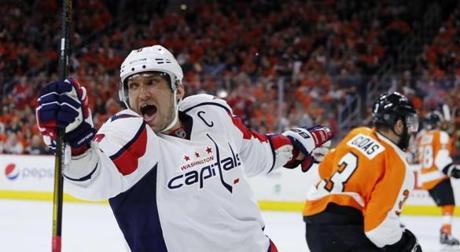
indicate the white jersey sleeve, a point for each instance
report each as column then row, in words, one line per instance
column 443, row 157
column 116, row 159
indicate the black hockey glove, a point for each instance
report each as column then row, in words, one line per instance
column 452, row 170
column 408, row 243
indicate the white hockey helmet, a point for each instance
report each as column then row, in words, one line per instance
column 154, row 58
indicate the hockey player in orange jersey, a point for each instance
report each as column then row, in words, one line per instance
column 434, row 156
column 364, row 183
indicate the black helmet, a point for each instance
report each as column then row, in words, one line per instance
column 432, row 120
column 390, row 107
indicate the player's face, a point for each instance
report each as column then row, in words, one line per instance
column 150, row 96
column 405, row 129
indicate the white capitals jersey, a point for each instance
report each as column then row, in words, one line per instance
column 173, row 194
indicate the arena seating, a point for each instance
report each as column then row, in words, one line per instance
column 321, row 51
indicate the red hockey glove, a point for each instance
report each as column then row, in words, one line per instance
column 307, row 139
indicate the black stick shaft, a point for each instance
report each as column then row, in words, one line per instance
column 58, row 192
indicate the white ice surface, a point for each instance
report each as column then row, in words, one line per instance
column 26, row 226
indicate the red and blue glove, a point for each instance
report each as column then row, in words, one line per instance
column 64, row 105
column 312, row 142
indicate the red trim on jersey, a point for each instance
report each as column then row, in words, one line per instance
column 279, row 140
column 272, row 247
column 247, row 133
column 98, row 138
column 127, row 158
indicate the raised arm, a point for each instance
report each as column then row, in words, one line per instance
column 101, row 165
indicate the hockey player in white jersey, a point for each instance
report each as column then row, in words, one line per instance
column 174, row 170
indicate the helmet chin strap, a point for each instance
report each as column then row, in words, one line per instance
column 176, row 115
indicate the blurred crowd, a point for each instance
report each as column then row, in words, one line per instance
column 322, row 52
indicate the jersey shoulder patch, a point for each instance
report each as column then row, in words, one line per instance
column 200, row 100
column 367, row 145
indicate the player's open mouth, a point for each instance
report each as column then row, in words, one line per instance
column 148, row 112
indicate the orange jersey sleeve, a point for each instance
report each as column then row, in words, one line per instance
column 434, row 153
column 368, row 172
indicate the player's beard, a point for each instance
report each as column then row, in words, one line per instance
column 171, row 115
column 404, row 139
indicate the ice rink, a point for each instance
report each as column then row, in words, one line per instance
column 25, row 226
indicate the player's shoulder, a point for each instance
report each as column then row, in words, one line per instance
column 125, row 122
column 365, row 142
column 361, row 130
column 204, row 101
column 434, row 136
column 124, row 129
column 125, row 115
column 444, row 137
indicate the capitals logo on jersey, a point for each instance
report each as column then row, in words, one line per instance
column 217, row 167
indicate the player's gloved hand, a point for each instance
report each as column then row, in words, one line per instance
column 452, row 170
column 307, row 139
column 317, row 156
column 312, row 142
column 64, row 105
column 407, row 243
column 305, row 163
column 320, row 152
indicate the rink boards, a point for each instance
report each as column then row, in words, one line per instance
column 31, row 178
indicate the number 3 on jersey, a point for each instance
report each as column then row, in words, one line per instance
column 347, row 167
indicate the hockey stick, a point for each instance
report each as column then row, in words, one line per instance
column 59, row 158
column 448, row 119
column 446, row 112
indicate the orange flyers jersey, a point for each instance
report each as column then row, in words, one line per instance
column 368, row 172
column 434, row 148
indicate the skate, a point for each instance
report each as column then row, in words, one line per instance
column 448, row 239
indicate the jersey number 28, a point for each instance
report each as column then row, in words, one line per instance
column 427, row 156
